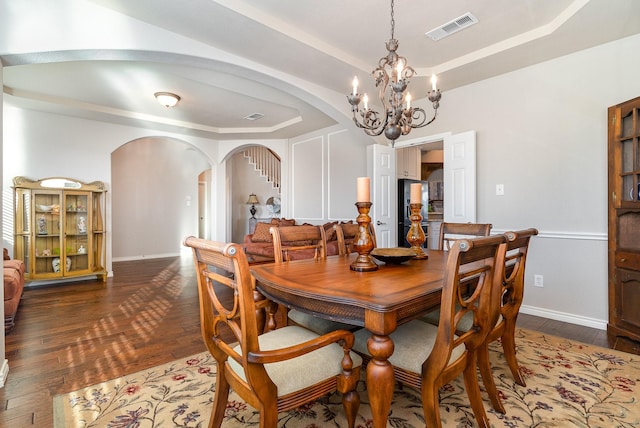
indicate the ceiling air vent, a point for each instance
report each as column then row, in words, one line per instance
column 254, row 116
column 453, row 26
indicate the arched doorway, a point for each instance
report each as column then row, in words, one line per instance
column 252, row 170
column 154, row 195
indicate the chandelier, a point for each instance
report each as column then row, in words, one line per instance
column 392, row 79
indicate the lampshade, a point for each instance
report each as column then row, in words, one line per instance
column 167, row 99
column 253, row 199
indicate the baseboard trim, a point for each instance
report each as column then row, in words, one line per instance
column 144, row 257
column 4, row 372
column 565, row 317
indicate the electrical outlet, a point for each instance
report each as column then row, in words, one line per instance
column 538, row 280
column 499, row 189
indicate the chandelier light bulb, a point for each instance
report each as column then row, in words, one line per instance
column 434, row 80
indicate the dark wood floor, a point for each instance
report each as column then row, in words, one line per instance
column 78, row 334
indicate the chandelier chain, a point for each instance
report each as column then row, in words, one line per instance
column 393, row 21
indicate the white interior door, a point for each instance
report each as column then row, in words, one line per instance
column 460, row 177
column 381, row 167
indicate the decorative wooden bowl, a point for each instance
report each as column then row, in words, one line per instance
column 393, row 256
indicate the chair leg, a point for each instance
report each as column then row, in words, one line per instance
column 350, row 397
column 431, row 405
column 220, row 399
column 473, row 391
column 351, row 404
column 509, row 349
column 269, row 417
column 487, row 378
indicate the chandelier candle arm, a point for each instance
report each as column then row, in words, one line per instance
column 392, row 77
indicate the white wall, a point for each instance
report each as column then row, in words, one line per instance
column 38, row 145
column 325, row 165
column 542, row 132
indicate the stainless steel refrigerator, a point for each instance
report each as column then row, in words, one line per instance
column 404, row 210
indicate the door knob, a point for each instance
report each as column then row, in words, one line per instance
column 379, row 223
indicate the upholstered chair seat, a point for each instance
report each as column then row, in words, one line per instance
column 406, row 354
column 300, row 372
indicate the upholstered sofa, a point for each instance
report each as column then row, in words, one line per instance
column 260, row 243
column 13, row 287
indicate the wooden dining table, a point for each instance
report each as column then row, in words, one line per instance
column 377, row 300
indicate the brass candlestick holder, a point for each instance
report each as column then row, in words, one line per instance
column 363, row 244
column 416, row 237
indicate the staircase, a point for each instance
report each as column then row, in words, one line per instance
column 265, row 161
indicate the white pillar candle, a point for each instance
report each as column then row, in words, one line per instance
column 362, row 190
column 416, row 193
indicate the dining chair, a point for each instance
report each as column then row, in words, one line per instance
column 449, row 232
column 304, row 242
column 346, row 233
column 511, row 300
column 275, row 371
column 427, row 357
column 299, row 242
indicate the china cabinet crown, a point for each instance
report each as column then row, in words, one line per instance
column 59, row 227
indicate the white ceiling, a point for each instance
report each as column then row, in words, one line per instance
column 293, row 51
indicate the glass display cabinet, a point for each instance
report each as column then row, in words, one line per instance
column 59, row 227
column 624, row 221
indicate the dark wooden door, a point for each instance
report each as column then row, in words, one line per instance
column 624, row 221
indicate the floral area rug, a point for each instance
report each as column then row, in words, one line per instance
column 569, row 384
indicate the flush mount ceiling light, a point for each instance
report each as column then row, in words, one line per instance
column 167, row 99
column 392, row 79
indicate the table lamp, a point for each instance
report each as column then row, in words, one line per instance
column 253, row 200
